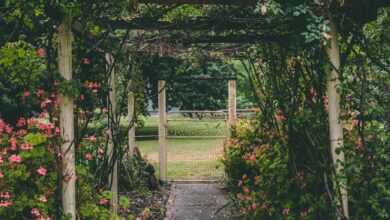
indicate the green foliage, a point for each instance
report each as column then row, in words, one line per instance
column 28, row 175
column 263, row 184
column 184, row 92
column 21, row 70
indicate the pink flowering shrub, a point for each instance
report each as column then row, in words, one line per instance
column 28, row 177
column 265, row 182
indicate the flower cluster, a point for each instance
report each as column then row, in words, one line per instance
column 26, row 160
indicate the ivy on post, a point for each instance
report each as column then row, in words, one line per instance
column 67, row 121
column 335, row 124
column 112, row 158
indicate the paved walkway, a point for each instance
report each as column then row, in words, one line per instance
column 197, row 201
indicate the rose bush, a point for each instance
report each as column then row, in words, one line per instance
column 263, row 185
column 28, row 180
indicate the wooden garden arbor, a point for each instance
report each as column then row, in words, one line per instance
column 354, row 8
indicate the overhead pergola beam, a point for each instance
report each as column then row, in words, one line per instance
column 194, row 25
column 200, row 2
column 217, row 39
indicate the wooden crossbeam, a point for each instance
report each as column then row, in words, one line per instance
column 200, row 2
column 198, row 24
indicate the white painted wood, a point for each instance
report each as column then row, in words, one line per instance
column 232, row 103
column 113, row 177
column 131, row 118
column 335, row 123
column 162, row 130
column 67, row 121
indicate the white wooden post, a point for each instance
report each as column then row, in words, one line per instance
column 67, row 121
column 162, row 130
column 131, row 117
column 335, row 124
column 232, row 103
column 113, row 177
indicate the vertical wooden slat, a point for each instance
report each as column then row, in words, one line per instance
column 335, row 124
column 162, row 130
column 232, row 103
column 130, row 115
column 113, row 177
column 67, row 121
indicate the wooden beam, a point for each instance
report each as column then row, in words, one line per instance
column 113, row 177
column 131, row 117
column 66, row 105
column 162, row 130
column 203, row 23
column 335, row 121
column 232, row 103
column 200, row 2
column 186, row 41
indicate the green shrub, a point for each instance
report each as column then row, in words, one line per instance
column 264, row 184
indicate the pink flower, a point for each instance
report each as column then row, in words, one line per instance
column 100, row 152
column 1, row 175
column 42, row 171
column 82, row 97
column 40, row 93
column 5, row 195
column 5, row 203
column 86, row 61
column 91, row 138
column 103, row 201
column 43, row 115
column 1, row 160
column 45, row 103
column 21, row 122
column 88, row 156
column 254, row 206
column 13, row 142
column 31, row 122
column 8, row 129
column 21, row 132
column 41, row 52
column 286, row 211
column 58, row 131
column 35, row 212
column 15, row 159
column 26, row 94
column 2, row 126
column 26, row 146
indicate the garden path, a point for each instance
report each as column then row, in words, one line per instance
column 197, row 201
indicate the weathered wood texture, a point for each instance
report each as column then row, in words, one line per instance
column 131, row 115
column 232, row 103
column 67, row 121
column 162, row 130
column 335, row 123
column 200, row 2
column 113, row 177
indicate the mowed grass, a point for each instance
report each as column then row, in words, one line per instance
column 189, row 158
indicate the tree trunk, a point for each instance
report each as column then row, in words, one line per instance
column 67, row 122
column 113, row 177
column 335, row 124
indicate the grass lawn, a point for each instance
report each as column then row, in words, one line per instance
column 188, row 158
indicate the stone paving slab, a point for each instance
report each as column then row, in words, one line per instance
column 197, row 201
